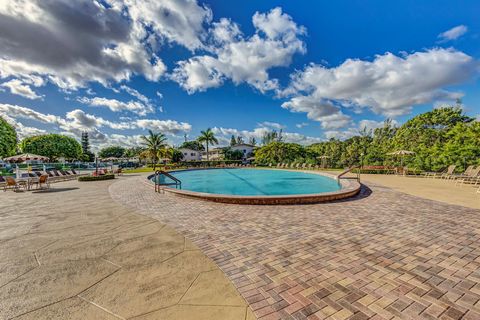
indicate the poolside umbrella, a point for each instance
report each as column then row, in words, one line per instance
column 401, row 153
column 324, row 160
column 251, row 158
column 24, row 157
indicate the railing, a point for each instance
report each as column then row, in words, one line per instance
column 350, row 170
column 158, row 173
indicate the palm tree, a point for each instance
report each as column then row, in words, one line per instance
column 154, row 142
column 207, row 137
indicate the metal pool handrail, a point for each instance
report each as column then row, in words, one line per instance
column 349, row 170
column 177, row 182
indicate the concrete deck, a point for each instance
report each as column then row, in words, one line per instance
column 434, row 189
column 73, row 253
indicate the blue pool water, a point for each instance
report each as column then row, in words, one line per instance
column 254, row 182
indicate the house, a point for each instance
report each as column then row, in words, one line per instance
column 213, row 154
column 190, row 154
column 245, row 148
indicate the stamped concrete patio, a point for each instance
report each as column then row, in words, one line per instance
column 383, row 255
column 73, row 253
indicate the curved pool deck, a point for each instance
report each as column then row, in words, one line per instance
column 74, row 253
column 348, row 188
column 382, row 254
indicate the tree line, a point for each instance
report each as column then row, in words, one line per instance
column 438, row 138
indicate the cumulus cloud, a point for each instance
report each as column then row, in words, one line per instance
column 301, row 125
column 389, row 85
column 243, row 59
column 453, row 34
column 365, row 124
column 272, row 125
column 71, row 43
column 77, row 121
column 118, row 106
column 224, row 135
column 20, row 88
column 168, row 126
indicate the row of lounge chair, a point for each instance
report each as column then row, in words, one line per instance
column 471, row 175
column 304, row 166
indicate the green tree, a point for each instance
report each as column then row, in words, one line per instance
column 153, row 143
column 176, row 155
column 239, row 140
column 272, row 136
column 87, row 154
column 233, row 141
column 112, row 151
column 8, row 139
column 133, row 152
column 233, row 154
column 207, row 137
column 52, row 146
column 278, row 152
column 194, row 145
column 252, row 141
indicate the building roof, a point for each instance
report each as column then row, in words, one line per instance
column 244, row 144
column 188, row 149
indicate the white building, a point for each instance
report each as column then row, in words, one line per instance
column 245, row 148
column 190, row 154
column 213, row 154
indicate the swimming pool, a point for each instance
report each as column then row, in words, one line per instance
column 258, row 186
column 254, row 182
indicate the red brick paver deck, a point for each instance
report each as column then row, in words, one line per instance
column 387, row 255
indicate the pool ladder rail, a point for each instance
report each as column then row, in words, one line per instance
column 358, row 171
column 158, row 186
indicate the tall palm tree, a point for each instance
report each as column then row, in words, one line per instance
column 207, row 137
column 154, row 142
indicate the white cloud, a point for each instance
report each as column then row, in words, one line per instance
column 224, row 135
column 272, row 125
column 179, row 21
column 324, row 111
column 241, row 59
column 389, row 85
column 118, row 106
column 77, row 121
column 18, row 87
column 71, row 43
column 165, row 126
column 301, row 125
column 369, row 125
column 454, row 33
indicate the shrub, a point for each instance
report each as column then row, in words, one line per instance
column 98, row 178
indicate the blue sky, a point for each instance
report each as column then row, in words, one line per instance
column 316, row 69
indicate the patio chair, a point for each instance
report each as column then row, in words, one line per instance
column 474, row 177
column 43, row 180
column 449, row 171
column 465, row 174
column 3, row 182
column 13, row 184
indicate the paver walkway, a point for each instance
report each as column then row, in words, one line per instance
column 73, row 253
column 385, row 255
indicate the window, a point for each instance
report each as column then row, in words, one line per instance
column 244, row 151
column 185, row 154
column 192, row 154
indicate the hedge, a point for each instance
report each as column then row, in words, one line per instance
column 99, row 178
